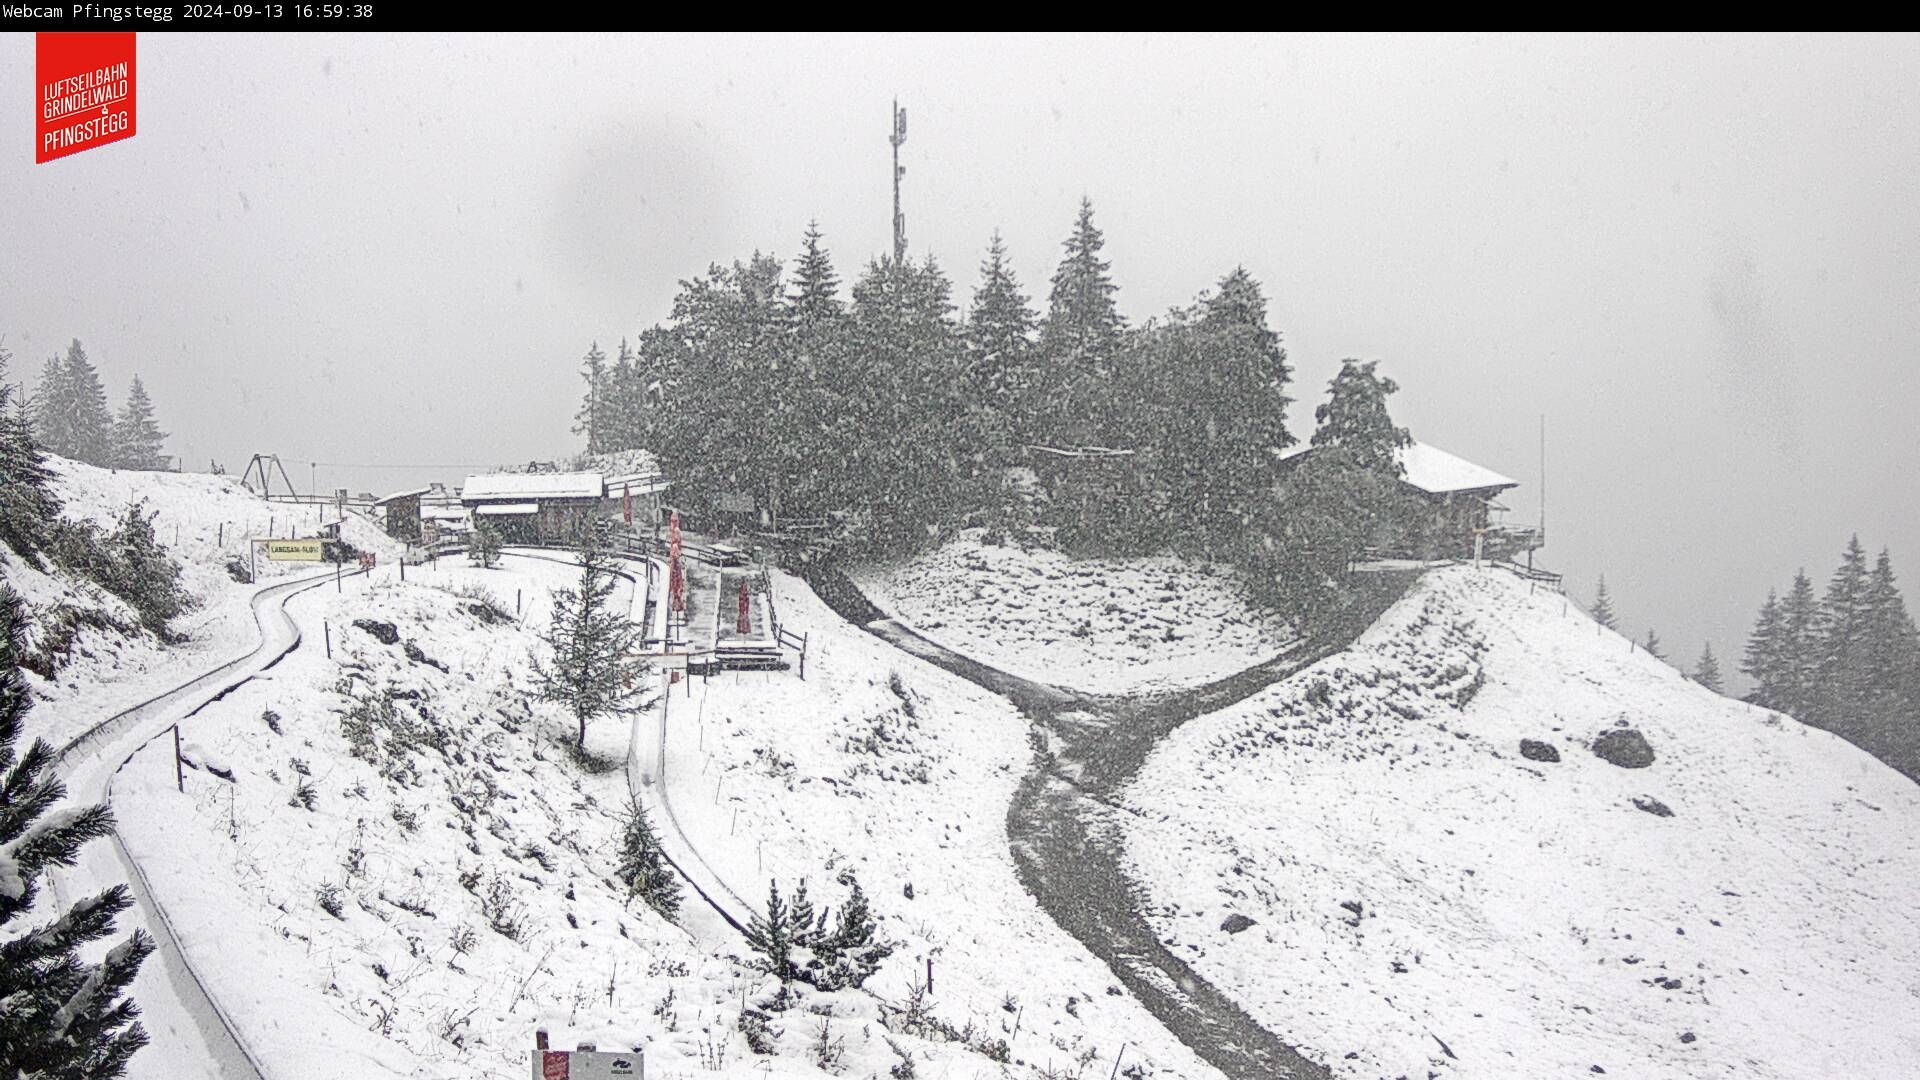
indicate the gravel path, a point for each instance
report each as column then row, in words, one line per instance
column 1063, row 823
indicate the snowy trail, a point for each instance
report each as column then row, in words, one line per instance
column 1063, row 827
column 192, row 1036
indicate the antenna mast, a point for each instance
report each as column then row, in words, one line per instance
column 1543, row 478
column 898, row 136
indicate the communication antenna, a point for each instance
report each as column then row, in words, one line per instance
column 1543, row 478
column 899, row 219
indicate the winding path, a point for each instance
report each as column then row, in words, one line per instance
column 88, row 764
column 1063, row 822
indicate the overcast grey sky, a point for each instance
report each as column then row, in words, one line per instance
column 1699, row 257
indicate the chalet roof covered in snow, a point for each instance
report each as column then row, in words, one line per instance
column 1435, row 471
column 398, row 495
column 519, row 487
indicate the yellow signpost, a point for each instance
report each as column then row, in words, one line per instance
column 292, row 550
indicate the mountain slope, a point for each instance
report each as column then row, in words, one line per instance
column 1427, row 901
column 98, row 660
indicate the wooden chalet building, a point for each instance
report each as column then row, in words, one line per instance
column 399, row 514
column 535, row 508
column 1461, row 501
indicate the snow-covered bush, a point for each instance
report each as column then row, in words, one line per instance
column 642, row 868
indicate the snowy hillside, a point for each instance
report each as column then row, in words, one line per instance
column 904, row 772
column 1428, row 901
column 469, row 820
column 444, row 888
column 105, row 662
column 1106, row 626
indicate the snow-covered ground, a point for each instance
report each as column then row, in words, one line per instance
column 410, row 979
column 1429, row 902
column 895, row 769
column 470, row 862
column 1106, row 626
column 203, row 521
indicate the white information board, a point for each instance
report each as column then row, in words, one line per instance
column 588, row 1065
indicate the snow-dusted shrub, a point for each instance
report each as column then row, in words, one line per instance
column 643, row 870
column 758, row 1029
column 504, row 914
column 795, row 944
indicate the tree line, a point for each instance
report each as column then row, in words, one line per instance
column 70, row 417
column 1847, row 660
column 893, row 417
column 127, row 560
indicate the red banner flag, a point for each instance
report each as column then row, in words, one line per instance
column 626, row 502
column 746, row 617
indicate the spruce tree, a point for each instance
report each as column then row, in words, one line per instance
column 729, row 329
column 51, row 426
column 138, row 570
column 590, row 420
column 1652, row 645
column 1079, row 339
column 852, row 951
column 1706, row 671
column 811, row 388
column 771, row 935
column 1603, row 605
column 1796, row 675
column 28, row 505
column 1355, row 416
column 999, row 339
column 596, row 669
column 1892, row 654
column 138, row 441
column 1239, row 305
column 1840, row 643
column 71, row 410
column 1762, row 660
column 814, row 297
column 1230, row 420
column 643, row 868
column 905, row 466
column 61, row 1016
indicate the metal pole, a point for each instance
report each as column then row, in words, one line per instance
column 179, row 773
column 328, row 631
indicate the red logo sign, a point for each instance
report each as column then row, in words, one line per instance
column 554, row 1065
column 84, row 92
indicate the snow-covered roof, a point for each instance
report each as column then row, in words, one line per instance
column 408, row 494
column 1435, row 471
column 507, row 508
column 497, row 486
column 1432, row 469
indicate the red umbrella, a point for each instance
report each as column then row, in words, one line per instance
column 676, row 578
column 746, row 620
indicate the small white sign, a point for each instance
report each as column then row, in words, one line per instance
column 588, row 1065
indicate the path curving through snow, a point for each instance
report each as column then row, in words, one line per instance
column 192, row 1035
column 1063, row 828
